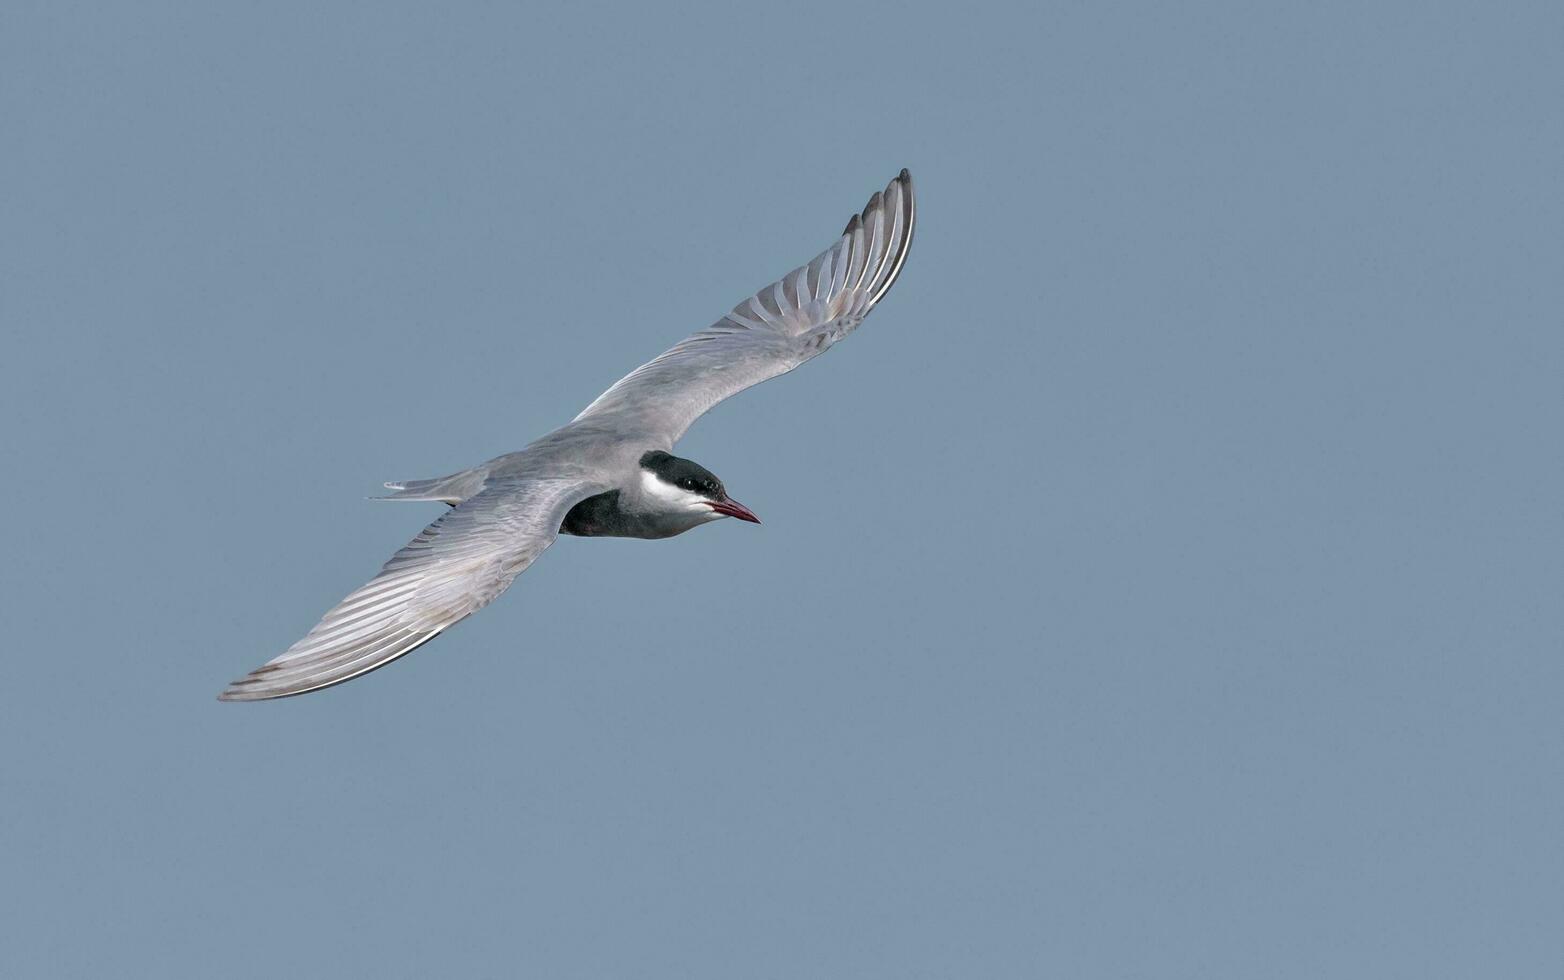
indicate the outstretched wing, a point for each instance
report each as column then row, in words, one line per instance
column 772, row 332
column 455, row 567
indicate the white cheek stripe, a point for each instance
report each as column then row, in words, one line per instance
column 671, row 495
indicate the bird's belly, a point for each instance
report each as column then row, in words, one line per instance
column 601, row 516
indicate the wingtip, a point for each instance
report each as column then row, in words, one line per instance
column 243, row 689
column 237, row 692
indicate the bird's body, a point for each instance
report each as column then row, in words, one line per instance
column 609, row 472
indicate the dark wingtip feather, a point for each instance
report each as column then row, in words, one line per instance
column 909, row 209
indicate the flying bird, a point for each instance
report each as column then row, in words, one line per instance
column 609, row 472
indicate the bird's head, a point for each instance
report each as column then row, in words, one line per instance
column 682, row 485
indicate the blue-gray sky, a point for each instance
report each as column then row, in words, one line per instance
column 1165, row 582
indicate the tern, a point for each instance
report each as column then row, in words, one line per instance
column 609, row 472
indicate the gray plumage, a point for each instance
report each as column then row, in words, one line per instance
column 612, row 461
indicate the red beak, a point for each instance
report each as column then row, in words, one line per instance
column 733, row 508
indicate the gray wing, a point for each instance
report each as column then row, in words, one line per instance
column 455, row 567
column 772, row 332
